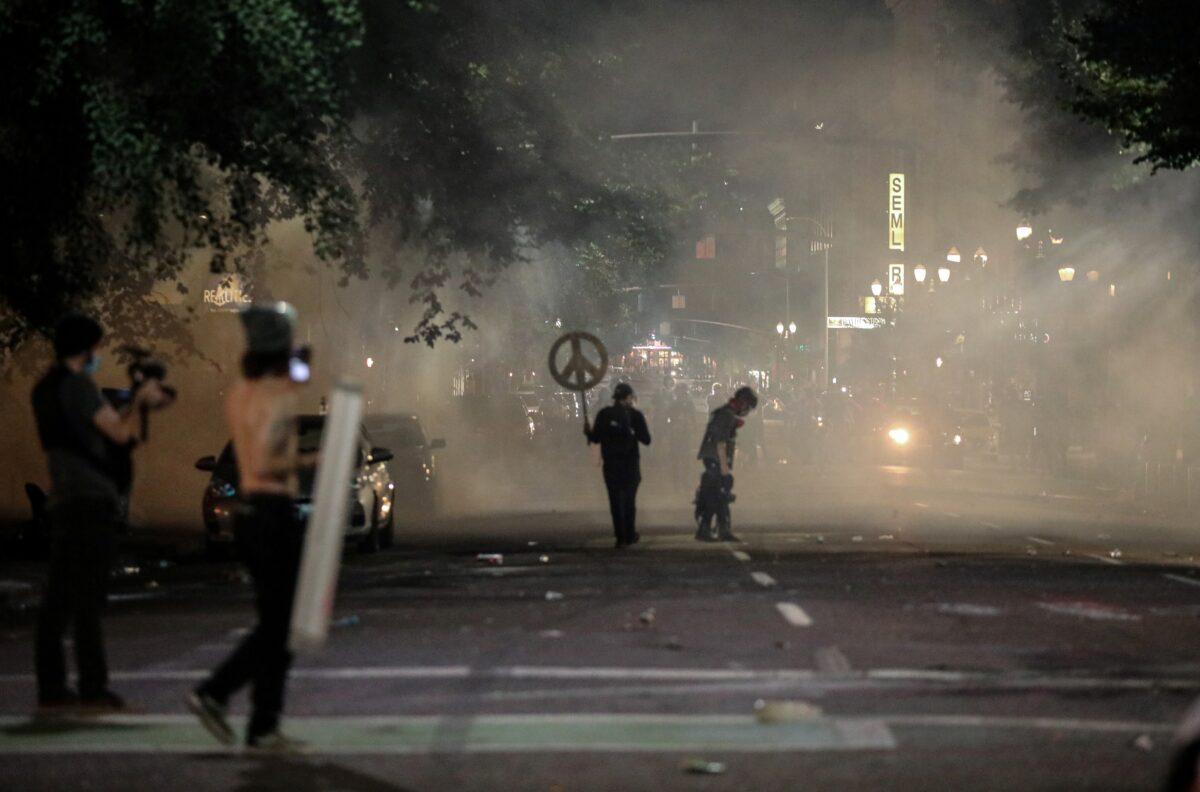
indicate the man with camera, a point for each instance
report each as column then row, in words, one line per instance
column 78, row 429
column 262, row 410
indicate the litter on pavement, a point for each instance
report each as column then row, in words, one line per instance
column 784, row 711
column 495, row 559
column 551, row 596
column 702, row 767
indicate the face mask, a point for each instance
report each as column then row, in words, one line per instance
column 92, row 365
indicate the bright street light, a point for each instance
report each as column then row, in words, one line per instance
column 792, row 328
column 1066, row 273
column 953, row 256
column 876, row 287
column 939, row 361
column 370, row 362
column 944, row 273
column 919, row 272
column 1024, row 231
column 779, row 328
column 981, row 256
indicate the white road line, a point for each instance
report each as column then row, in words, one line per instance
column 1051, row 724
column 763, row 579
column 1181, row 579
column 793, row 614
column 830, row 660
column 739, row 555
column 1105, row 559
column 1039, row 540
column 920, row 505
column 1067, row 679
column 953, row 515
column 991, row 525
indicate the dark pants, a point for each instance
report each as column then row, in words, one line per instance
column 622, row 482
column 270, row 541
column 712, row 500
column 81, row 547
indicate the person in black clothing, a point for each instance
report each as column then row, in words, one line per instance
column 78, row 428
column 716, row 452
column 618, row 429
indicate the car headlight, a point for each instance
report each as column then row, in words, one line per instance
column 899, row 435
column 957, row 439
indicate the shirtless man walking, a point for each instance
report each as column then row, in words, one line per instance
column 262, row 411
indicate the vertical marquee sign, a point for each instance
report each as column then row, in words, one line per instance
column 896, row 211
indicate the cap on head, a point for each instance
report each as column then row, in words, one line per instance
column 746, row 396
column 75, row 334
column 269, row 328
column 623, row 391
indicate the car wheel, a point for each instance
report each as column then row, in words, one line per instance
column 388, row 537
column 372, row 541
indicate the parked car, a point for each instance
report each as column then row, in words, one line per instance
column 981, row 434
column 371, row 491
column 414, row 465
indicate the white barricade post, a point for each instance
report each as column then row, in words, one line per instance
column 323, row 542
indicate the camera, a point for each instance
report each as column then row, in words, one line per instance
column 145, row 367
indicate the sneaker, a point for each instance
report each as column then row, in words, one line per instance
column 104, row 701
column 212, row 716
column 276, row 743
column 728, row 536
column 637, row 537
column 621, row 544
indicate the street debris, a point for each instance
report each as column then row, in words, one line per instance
column 1031, row 551
column 493, row 559
column 782, row 644
column 551, row 633
column 647, row 616
column 345, row 621
column 552, row 596
column 545, row 559
column 820, row 539
column 886, row 537
column 673, row 643
column 1144, row 742
column 702, row 767
column 855, row 538
column 784, row 711
column 1114, row 553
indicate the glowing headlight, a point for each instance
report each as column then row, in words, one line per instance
column 957, row 439
column 899, row 435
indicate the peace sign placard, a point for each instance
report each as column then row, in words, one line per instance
column 579, row 373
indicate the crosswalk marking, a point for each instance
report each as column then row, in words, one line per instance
column 793, row 614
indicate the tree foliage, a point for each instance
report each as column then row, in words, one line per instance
column 480, row 144
column 134, row 133
column 1133, row 68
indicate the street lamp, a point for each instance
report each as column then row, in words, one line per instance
column 981, row 257
column 876, row 287
column 1093, row 276
column 953, row 256
column 792, row 328
column 1024, row 231
column 919, row 272
column 1066, row 273
column 779, row 328
column 944, row 273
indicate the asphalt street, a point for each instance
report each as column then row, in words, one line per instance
column 878, row 628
